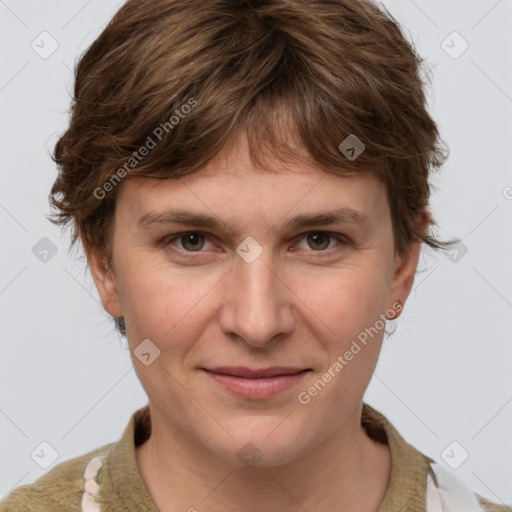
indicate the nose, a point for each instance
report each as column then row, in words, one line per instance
column 258, row 306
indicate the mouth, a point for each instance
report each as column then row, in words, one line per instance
column 252, row 383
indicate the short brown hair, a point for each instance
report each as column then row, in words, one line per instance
column 327, row 69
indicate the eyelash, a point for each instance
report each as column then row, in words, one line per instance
column 343, row 242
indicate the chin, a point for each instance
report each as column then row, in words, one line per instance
column 260, row 442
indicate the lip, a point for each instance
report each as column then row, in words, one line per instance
column 256, row 383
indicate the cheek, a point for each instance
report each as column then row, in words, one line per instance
column 350, row 303
column 161, row 303
column 352, row 309
column 347, row 299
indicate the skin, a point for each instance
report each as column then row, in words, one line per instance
column 300, row 303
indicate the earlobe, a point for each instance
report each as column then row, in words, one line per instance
column 103, row 278
column 395, row 310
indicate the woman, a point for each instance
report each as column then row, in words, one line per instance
column 249, row 181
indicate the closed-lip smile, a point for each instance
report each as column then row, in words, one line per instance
column 249, row 373
column 254, row 383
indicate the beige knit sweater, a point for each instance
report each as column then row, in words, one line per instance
column 122, row 488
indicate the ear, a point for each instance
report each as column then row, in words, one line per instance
column 103, row 278
column 404, row 272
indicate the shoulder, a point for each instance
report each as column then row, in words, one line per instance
column 488, row 506
column 446, row 491
column 58, row 490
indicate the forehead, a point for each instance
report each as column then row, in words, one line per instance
column 231, row 185
column 256, row 205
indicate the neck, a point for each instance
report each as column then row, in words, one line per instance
column 348, row 471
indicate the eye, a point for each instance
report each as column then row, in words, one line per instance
column 319, row 241
column 192, row 241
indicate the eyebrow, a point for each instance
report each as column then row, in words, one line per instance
column 176, row 216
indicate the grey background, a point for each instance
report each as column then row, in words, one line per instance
column 66, row 377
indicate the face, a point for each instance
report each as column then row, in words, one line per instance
column 261, row 285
